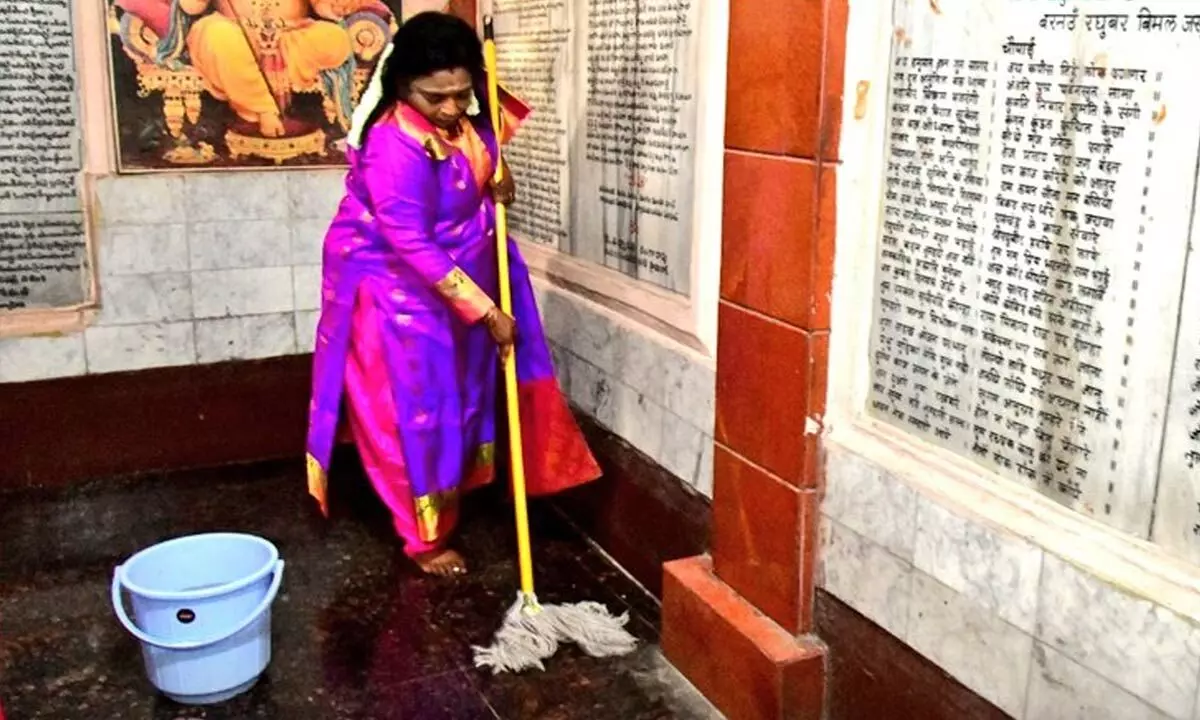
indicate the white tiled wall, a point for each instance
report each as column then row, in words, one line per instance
column 195, row 268
column 204, row 268
column 634, row 382
column 1038, row 637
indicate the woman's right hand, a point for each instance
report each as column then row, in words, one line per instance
column 502, row 327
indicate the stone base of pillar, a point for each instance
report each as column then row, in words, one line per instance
column 741, row 660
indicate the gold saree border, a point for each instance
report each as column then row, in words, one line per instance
column 429, row 508
column 467, row 298
column 318, row 484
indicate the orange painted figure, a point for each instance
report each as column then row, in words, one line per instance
column 254, row 53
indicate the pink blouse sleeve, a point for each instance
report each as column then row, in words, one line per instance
column 401, row 183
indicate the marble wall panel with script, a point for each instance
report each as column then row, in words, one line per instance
column 1177, row 517
column 43, row 256
column 607, row 163
column 1037, row 207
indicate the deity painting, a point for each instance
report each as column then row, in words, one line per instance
column 212, row 84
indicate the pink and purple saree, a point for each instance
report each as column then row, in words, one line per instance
column 409, row 272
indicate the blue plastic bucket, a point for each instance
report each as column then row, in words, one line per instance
column 203, row 613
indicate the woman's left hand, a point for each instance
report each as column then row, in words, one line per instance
column 505, row 191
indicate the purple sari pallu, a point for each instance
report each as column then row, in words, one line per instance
column 409, row 272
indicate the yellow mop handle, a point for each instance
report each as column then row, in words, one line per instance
column 516, row 450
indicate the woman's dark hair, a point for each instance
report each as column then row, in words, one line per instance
column 426, row 44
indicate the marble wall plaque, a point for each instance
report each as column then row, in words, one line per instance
column 607, row 164
column 1177, row 516
column 1036, row 202
column 43, row 248
column 535, row 45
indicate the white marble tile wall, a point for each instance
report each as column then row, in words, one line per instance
column 40, row 358
column 195, row 269
column 1034, row 635
column 635, row 383
column 204, row 268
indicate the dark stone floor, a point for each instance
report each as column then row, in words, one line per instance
column 358, row 632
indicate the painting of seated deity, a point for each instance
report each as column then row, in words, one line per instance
column 219, row 84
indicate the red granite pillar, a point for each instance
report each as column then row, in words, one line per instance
column 737, row 625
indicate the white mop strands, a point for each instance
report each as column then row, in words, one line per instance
column 531, row 633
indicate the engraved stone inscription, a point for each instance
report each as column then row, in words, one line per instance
column 533, row 43
column 42, row 232
column 1034, row 231
column 609, row 159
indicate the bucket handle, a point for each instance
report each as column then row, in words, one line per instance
column 123, row 616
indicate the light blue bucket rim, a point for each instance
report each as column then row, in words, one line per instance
column 122, row 573
column 178, row 645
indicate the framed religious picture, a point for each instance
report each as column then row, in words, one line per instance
column 223, row 84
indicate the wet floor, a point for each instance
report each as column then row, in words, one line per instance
column 359, row 633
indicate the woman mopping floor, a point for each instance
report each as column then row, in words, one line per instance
column 409, row 331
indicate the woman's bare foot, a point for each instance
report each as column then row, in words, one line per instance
column 270, row 125
column 443, row 563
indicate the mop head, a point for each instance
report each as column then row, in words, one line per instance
column 532, row 633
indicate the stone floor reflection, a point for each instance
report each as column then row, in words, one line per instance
column 359, row 633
